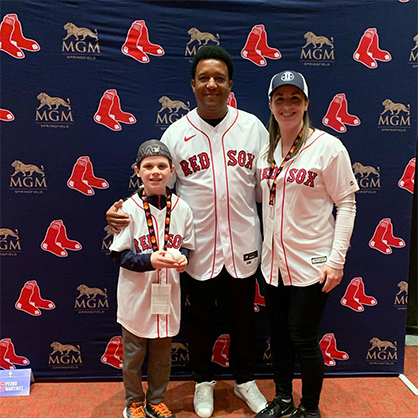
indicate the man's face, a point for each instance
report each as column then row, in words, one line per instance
column 211, row 87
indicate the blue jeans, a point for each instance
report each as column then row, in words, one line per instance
column 295, row 314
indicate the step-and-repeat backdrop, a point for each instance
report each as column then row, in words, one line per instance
column 83, row 83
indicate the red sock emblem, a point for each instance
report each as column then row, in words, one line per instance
column 232, row 101
column 18, row 38
column 24, row 302
column 249, row 51
column 331, row 117
column 324, row 344
column 89, row 177
column 37, row 300
column 407, row 181
column 116, row 112
column 263, row 49
column 220, row 351
column 76, row 180
column 258, row 300
column 383, row 238
column 6, row 45
column 145, row 45
column 329, row 345
column 7, row 352
column 343, row 114
column 4, row 361
column 375, row 51
column 103, row 116
column 113, row 353
column 6, row 115
column 349, row 298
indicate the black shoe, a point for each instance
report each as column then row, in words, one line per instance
column 302, row 412
column 158, row 411
column 277, row 408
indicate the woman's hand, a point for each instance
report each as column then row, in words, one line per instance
column 332, row 278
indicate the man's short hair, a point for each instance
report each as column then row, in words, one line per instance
column 213, row 52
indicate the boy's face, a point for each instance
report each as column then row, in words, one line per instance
column 155, row 171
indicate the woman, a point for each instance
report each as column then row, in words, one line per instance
column 303, row 172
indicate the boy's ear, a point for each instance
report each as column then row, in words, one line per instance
column 172, row 169
column 137, row 171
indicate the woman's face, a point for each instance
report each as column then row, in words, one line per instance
column 288, row 105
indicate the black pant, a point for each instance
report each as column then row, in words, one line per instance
column 295, row 314
column 235, row 298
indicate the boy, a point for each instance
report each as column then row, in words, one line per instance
column 148, row 293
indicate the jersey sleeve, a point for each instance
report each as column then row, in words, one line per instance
column 123, row 240
column 338, row 176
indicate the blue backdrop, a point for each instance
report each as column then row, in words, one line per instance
column 83, row 83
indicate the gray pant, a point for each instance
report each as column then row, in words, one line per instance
column 159, row 367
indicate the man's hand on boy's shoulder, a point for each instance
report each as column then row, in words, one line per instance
column 115, row 219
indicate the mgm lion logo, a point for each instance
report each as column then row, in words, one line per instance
column 416, row 43
column 109, row 232
column 365, row 170
column 73, row 30
column 312, row 39
column 395, row 108
column 64, row 348
column 382, row 345
column 176, row 105
column 90, row 292
column 46, row 100
column 403, row 287
column 6, row 232
column 27, row 168
column 196, row 35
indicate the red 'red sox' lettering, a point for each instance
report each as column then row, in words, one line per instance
column 299, row 175
column 144, row 242
column 242, row 158
column 195, row 163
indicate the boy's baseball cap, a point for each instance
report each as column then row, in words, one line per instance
column 153, row 147
column 288, row 77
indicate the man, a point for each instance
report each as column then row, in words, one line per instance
column 215, row 149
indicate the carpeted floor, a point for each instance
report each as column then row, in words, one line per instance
column 351, row 397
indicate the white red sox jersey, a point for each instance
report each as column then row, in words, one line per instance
column 134, row 288
column 215, row 173
column 302, row 231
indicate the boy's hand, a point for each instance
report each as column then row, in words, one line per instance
column 117, row 220
column 181, row 264
column 160, row 261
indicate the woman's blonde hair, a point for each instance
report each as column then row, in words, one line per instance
column 274, row 135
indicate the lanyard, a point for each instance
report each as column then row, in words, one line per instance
column 151, row 229
column 273, row 166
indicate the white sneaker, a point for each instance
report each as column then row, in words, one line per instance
column 250, row 393
column 203, row 399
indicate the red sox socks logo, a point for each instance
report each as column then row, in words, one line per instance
column 328, row 345
column 12, row 40
column 354, row 297
column 232, row 101
column 137, row 44
column 256, row 48
column 113, row 354
column 259, row 299
column 383, row 238
column 368, row 50
column 109, row 112
column 30, row 300
column 56, row 240
column 407, row 181
column 6, row 115
column 337, row 114
column 220, row 351
column 8, row 357
column 83, row 179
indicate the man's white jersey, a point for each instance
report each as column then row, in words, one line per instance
column 134, row 288
column 300, row 239
column 215, row 173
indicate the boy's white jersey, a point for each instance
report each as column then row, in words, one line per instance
column 215, row 173
column 303, row 228
column 134, row 288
